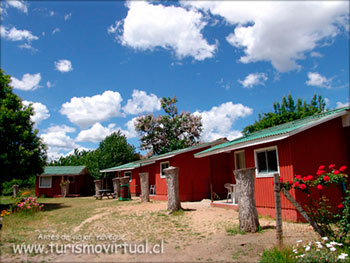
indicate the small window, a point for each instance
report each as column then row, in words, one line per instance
column 266, row 162
column 163, row 166
column 128, row 174
column 239, row 160
column 71, row 179
column 45, row 182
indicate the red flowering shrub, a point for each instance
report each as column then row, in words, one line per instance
column 334, row 222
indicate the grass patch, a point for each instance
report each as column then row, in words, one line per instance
column 234, row 230
column 178, row 213
column 274, row 255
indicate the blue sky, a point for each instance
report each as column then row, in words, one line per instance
column 91, row 68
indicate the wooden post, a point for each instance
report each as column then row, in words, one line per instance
column 116, row 186
column 278, row 208
column 247, row 213
column 144, row 187
column 172, row 184
column 98, row 186
column 303, row 213
column 15, row 190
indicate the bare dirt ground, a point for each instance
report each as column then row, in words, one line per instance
column 199, row 234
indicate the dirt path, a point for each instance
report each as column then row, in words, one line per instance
column 198, row 234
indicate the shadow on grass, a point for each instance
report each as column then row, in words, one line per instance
column 267, row 227
column 54, row 206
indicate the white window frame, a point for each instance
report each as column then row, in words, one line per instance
column 40, row 186
column 128, row 172
column 160, row 171
column 238, row 152
column 262, row 175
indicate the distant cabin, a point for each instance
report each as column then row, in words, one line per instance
column 48, row 183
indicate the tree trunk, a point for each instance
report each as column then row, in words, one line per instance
column 247, row 213
column 15, row 190
column 172, row 184
column 125, row 181
column 116, row 186
column 65, row 189
column 144, row 187
column 98, row 185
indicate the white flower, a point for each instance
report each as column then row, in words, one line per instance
column 295, row 250
column 325, row 238
column 332, row 249
column 299, row 241
column 328, row 245
column 319, row 245
column 303, row 255
column 307, row 248
column 342, row 256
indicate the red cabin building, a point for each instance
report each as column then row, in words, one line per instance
column 195, row 175
column 48, row 183
column 293, row 148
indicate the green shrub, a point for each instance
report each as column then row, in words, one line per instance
column 7, row 187
column 274, row 255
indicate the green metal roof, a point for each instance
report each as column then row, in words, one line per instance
column 63, row 170
column 152, row 159
column 277, row 130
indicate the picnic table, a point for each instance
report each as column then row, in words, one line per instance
column 105, row 192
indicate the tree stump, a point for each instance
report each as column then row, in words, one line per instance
column 144, row 187
column 15, row 190
column 116, row 186
column 98, row 186
column 247, row 213
column 172, row 184
column 65, row 189
column 125, row 181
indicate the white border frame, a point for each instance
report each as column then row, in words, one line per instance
column 263, row 175
column 234, row 156
column 160, row 171
column 40, row 186
column 126, row 172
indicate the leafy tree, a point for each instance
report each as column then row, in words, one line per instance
column 169, row 132
column 22, row 153
column 287, row 111
column 114, row 150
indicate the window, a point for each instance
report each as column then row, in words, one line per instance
column 128, row 174
column 266, row 162
column 71, row 179
column 239, row 160
column 45, row 182
column 163, row 166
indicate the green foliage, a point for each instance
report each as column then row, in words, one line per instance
column 170, row 132
column 22, row 153
column 287, row 111
column 274, row 255
column 7, row 187
column 114, row 150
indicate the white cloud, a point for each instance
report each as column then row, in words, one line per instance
column 67, row 16
column 270, row 31
column 28, row 82
column 342, row 104
column 86, row 111
column 55, row 30
column 148, row 26
column 316, row 79
column 253, row 79
column 56, row 136
column 315, row 54
column 28, row 47
column 52, row 13
column 15, row 34
column 63, row 65
column 20, row 5
column 218, row 121
column 40, row 111
column 49, row 84
column 141, row 102
column 98, row 132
